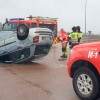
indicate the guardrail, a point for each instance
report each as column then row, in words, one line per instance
column 91, row 38
column 85, row 39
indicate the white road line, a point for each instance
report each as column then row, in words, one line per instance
column 63, row 66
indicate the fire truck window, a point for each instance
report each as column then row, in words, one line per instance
column 28, row 24
column 10, row 26
column 44, row 25
column 34, row 25
column 50, row 26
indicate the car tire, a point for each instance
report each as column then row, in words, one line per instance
column 22, row 31
column 85, row 84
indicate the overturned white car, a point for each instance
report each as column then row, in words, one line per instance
column 24, row 44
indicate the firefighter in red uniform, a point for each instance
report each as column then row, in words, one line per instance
column 64, row 39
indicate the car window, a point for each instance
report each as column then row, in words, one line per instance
column 10, row 26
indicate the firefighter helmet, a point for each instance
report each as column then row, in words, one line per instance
column 78, row 28
column 73, row 28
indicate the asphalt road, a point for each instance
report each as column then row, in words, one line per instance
column 45, row 79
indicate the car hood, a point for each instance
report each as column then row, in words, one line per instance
column 93, row 44
column 5, row 34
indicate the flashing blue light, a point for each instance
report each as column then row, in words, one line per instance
column 16, row 19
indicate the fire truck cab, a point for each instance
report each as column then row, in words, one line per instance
column 33, row 22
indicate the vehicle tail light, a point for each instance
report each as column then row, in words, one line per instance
column 35, row 39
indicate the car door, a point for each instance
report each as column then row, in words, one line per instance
column 94, row 56
column 12, row 43
column 2, row 47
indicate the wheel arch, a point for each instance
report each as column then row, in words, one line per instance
column 84, row 63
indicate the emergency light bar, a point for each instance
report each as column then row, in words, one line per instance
column 16, row 19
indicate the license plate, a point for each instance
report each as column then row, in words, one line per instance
column 46, row 38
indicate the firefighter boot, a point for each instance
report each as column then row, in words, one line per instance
column 65, row 54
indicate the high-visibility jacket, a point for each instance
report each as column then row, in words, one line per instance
column 80, row 34
column 80, row 37
column 74, row 37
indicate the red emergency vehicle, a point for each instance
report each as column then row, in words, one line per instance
column 84, row 67
column 32, row 22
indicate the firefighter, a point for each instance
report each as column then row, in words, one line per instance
column 70, row 35
column 64, row 39
column 80, row 34
column 74, row 37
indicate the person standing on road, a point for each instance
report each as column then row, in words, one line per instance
column 80, row 34
column 64, row 39
column 74, row 37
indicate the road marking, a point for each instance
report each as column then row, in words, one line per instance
column 63, row 66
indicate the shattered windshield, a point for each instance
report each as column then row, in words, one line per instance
column 10, row 26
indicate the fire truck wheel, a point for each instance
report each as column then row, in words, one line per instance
column 22, row 31
column 86, row 84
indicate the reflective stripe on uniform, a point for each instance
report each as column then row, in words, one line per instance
column 80, row 35
column 74, row 41
column 74, row 37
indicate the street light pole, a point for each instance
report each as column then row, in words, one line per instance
column 85, row 15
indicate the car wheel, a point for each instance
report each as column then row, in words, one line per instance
column 85, row 84
column 22, row 31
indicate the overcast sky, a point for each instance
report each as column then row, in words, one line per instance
column 69, row 12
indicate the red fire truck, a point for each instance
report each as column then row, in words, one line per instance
column 38, row 21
